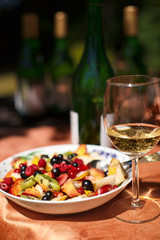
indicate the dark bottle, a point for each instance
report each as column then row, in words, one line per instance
column 30, row 92
column 60, row 67
column 89, row 83
column 132, row 54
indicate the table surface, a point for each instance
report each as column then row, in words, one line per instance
column 18, row 223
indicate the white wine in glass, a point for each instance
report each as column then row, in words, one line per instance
column 130, row 125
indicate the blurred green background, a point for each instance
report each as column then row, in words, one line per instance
column 10, row 32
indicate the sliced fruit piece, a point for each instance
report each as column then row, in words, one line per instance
column 48, row 167
column 77, row 198
column 35, row 160
column 62, row 178
column 12, row 174
column 29, row 197
column 81, row 175
column 39, row 188
column 47, row 183
column 96, row 155
column 69, row 188
column 17, row 161
column 9, row 173
column 89, row 193
column 15, row 175
column 104, row 189
column 33, row 191
column 104, row 181
column 96, row 172
column 62, row 198
column 16, row 188
column 86, row 158
column 93, row 179
column 116, row 168
column 120, row 175
column 50, row 174
column 113, row 166
column 77, row 184
column 28, row 182
column 81, row 150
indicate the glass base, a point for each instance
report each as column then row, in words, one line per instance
column 147, row 211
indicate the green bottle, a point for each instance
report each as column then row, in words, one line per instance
column 89, row 83
column 30, row 93
column 60, row 67
column 132, row 55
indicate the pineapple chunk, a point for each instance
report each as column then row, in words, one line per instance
column 116, row 168
column 113, row 166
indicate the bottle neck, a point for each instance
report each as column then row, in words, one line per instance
column 32, row 43
column 60, row 44
column 94, row 28
column 131, row 39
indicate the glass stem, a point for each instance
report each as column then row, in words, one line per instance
column 135, row 183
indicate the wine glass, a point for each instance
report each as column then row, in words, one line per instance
column 130, row 124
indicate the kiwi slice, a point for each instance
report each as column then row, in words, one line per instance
column 28, row 182
column 47, row 182
column 30, row 197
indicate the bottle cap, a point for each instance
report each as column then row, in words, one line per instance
column 30, row 25
column 130, row 20
column 60, row 25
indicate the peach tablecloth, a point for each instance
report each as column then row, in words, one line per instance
column 18, row 223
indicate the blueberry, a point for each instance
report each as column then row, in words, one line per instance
column 56, row 171
column 87, row 185
column 60, row 156
column 75, row 164
column 45, row 198
column 70, row 156
column 22, row 174
column 49, row 194
column 23, row 168
column 55, row 160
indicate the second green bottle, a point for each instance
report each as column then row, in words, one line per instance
column 89, row 83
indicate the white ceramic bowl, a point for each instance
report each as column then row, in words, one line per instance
column 71, row 206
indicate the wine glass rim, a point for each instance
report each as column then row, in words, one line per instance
column 111, row 81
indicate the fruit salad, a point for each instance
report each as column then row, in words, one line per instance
column 60, row 177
